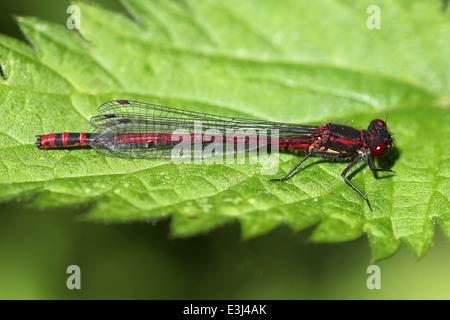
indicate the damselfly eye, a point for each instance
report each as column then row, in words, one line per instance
column 379, row 150
column 380, row 122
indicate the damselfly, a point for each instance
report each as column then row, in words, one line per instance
column 133, row 129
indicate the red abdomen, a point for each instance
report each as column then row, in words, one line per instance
column 65, row 139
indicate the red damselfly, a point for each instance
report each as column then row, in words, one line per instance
column 133, row 129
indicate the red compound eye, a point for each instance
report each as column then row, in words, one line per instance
column 380, row 122
column 379, row 150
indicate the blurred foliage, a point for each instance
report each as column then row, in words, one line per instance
column 138, row 261
column 49, row 10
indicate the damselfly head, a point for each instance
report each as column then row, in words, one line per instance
column 381, row 140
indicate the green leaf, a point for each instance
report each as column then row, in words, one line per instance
column 304, row 62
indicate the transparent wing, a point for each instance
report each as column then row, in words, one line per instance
column 133, row 129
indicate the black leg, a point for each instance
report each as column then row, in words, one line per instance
column 290, row 172
column 351, row 165
column 314, row 154
column 371, row 166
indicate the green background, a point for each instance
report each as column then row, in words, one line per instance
column 140, row 260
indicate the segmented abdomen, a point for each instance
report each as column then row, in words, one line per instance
column 65, row 139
